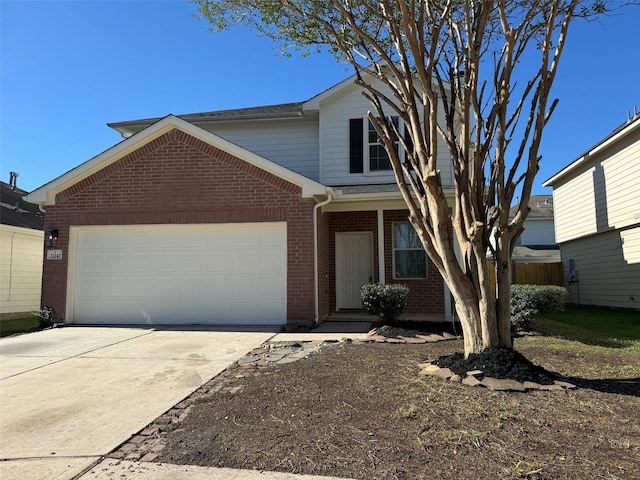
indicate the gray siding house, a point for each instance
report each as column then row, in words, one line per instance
column 597, row 220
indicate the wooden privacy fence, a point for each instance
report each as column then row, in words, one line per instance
column 533, row 274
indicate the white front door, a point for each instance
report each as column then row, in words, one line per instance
column 354, row 267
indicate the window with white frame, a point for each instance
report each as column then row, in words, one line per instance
column 409, row 257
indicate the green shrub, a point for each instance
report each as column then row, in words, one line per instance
column 529, row 300
column 384, row 300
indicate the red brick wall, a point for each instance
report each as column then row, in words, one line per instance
column 178, row 179
column 425, row 295
column 325, row 268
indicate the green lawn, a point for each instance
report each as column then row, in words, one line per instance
column 606, row 327
column 18, row 325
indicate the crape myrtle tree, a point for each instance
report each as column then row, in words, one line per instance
column 452, row 71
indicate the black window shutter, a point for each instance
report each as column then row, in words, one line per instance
column 356, row 145
column 408, row 140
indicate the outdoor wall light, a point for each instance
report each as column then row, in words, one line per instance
column 52, row 236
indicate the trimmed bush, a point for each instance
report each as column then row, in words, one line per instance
column 529, row 300
column 384, row 300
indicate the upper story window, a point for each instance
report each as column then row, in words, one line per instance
column 378, row 156
column 409, row 257
column 366, row 153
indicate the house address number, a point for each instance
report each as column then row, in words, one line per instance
column 54, row 254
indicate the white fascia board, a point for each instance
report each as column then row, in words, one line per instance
column 593, row 151
column 45, row 195
column 569, row 168
column 314, row 102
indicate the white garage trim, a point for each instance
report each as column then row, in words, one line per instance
column 178, row 274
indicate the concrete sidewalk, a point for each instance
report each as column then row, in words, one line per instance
column 110, row 469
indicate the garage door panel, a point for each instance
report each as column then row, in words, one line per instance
column 248, row 239
column 191, row 263
column 268, row 310
column 224, row 237
column 193, row 287
column 244, row 289
column 90, row 264
column 220, row 309
column 117, row 263
column 219, row 286
column 269, row 286
column 218, row 274
column 272, row 237
column 245, row 261
column 241, row 311
column 271, row 261
column 219, row 262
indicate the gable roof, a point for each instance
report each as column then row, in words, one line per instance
column 622, row 131
column 45, row 195
column 279, row 111
column 16, row 211
column 266, row 112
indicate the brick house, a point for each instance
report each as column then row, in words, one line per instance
column 265, row 215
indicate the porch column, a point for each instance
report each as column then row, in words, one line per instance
column 381, row 276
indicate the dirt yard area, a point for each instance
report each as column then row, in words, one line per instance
column 363, row 411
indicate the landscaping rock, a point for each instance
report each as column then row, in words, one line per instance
column 444, row 373
column 502, row 384
column 564, row 384
column 471, row 381
column 416, row 340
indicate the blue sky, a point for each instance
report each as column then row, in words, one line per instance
column 69, row 67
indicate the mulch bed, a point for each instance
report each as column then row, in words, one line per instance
column 498, row 363
column 363, row 411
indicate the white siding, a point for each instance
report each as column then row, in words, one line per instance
column 574, row 208
column 21, row 251
column 622, row 187
column 335, row 113
column 631, row 245
column 602, row 195
column 290, row 143
column 605, row 275
column 538, row 232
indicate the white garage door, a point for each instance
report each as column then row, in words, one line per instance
column 172, row 274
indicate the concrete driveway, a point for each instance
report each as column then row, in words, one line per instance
column 69, row 396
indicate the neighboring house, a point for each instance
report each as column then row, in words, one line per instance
column 537, row 242
column 21, row 245
column 597, row 220
column 267, row 215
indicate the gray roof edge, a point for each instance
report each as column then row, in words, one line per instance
column 280, row 110
column 626, row 127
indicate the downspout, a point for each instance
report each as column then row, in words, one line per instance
column 329, row 192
